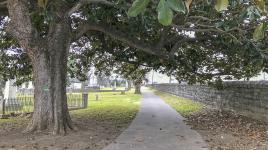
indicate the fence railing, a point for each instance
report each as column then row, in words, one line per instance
column 24, row 103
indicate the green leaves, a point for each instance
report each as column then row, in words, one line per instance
column 261, row 5
column 177, row 5
column 165, row 9
column 260, row 31
column 42, row 3
column 165, row 14
column 221, row 5
column 137, row 7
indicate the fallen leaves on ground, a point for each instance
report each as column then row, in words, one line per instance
column 226, row 130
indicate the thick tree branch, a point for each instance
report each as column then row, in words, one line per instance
column 3, row 8
column 3, row 4
column 20, row 26
column 163, row 38
column 208, row 29
column 116, row 34
column 84, row 2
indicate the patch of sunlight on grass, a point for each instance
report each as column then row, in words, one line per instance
column 184, row 106
column 111, row 106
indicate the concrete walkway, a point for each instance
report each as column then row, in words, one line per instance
column 157, row 127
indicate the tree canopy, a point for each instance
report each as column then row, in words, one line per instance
column 194, row 40
column 201, row 39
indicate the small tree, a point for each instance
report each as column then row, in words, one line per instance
column 2, row 87
column 137, row 74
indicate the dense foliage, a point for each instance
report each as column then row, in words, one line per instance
column 194, row 40
column 201, row 40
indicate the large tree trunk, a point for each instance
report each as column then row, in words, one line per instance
column 43, row 116
column 50, row 74
column 137, row 87
column 128, row 85
column 60, row 49
column 48, row 55
column 2, row 85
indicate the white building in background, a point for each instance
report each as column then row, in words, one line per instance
column 156, row 77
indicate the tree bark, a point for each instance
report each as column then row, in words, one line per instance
column 50, row 78
column 128, row 85
column 2, row 86
column 138, row 88
column 49, row 60
column 60, row 44
column 43, row 97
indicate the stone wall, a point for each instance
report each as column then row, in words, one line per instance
column 246, row 98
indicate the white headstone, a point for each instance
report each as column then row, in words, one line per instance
column 30, row 86
column 126, row 86
column 10, row 89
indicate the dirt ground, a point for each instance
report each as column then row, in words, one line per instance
column 91, row 135
column 229, row 131
column 222, row 131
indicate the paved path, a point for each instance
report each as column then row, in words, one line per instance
column 157, row 127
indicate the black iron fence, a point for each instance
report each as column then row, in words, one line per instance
column 24, row 103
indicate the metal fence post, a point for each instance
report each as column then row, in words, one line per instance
column 85, row 100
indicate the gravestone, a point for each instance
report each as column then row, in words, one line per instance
column 10, row 90
column 11, row 103
column 97, row 97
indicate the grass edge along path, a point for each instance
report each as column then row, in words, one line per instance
column 111, row 106
column 184, row 106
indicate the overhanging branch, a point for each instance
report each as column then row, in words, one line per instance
column 20, row 27
column 116, row 34
column 3, row 3
column 207, row 29
column 3, row 8
column 84, row 2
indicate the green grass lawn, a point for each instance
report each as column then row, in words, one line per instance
column 184, row 106
column 111, row 106
column 110, row 88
